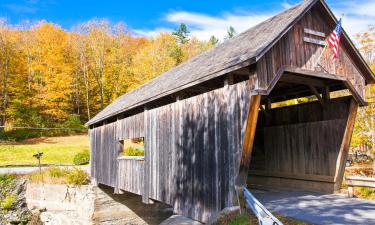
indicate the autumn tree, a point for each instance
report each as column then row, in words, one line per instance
column 7, row 50
column 51, row 77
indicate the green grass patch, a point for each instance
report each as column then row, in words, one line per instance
column 131, row 151
column 56, row 150
column 365, row 192
column 240, row 220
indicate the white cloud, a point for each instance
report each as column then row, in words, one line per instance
column 358, row 15
column 286, row 5
column 150, row 33
column 203, row 26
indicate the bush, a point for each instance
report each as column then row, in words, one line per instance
column 19, row 134
column 73, row 121
column 6, row 179
column 77, row 177
column 8, row 201
column 82, row 158
column 131, row 151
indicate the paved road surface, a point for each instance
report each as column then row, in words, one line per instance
column 26, row 170
column 319, row 208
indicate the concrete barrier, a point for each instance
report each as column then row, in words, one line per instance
column 89, row 204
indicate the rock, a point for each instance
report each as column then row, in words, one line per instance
column 19, row 214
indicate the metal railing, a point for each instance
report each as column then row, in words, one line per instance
column 265, row 217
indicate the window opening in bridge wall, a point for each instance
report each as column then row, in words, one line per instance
column 295, row 101
column 133, row 147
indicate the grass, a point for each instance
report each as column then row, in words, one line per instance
column 56, row 150
column 248, row 218
column 365, row 192
column 56, row 175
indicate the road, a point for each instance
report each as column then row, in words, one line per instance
column 27, row 170
column 318, row 208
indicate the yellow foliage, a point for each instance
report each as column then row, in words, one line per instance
column 50, row 73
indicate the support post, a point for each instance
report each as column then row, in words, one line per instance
column 251, row 124
column 229, row 80
column 268, row 104
column 317, row 94
column 146, row 168
column 326, row 95
column 344, row 149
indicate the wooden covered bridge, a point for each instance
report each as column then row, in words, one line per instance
column 211, row 123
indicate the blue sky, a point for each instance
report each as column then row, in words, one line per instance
column 147, row 18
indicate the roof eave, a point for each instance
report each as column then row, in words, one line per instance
column 239, row 65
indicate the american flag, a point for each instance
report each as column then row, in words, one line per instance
column 334, row 40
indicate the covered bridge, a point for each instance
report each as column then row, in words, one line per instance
column 211, row 124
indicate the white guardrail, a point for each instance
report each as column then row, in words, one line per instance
column 264, row 216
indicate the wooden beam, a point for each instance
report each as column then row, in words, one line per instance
column 228, row 79
column 326, row 95
column 317, row 94
column 268, row 104
column 355, row 94
column 146, row 173
column 311, row 73
column 251, row 124
column 295, row 79
column 345, row 144
column 308, row 177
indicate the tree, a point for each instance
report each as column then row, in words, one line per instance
column 48, row 74
column 364, row 130
column 213, row 40
column 7, row 44
column 154, row 58
column 231, row 32
column 182, row 34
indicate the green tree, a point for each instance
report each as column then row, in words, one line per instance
column 231, row 32
column 182, row 34
column 213, row 40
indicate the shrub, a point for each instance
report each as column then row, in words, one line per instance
column 365, row 192
column 131, row 151
column 77, row 177
column 82, row 158
column 7, row 179
column 8, row 201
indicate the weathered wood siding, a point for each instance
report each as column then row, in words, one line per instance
column 292, row 51
column 130, row 174
column 298, row 146
column 104, row 155
column 106, row 147
column 193, row 149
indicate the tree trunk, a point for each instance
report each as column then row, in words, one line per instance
column 86, row 80
column 5, row 92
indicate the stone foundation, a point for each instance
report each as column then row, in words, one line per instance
column 89, row 204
